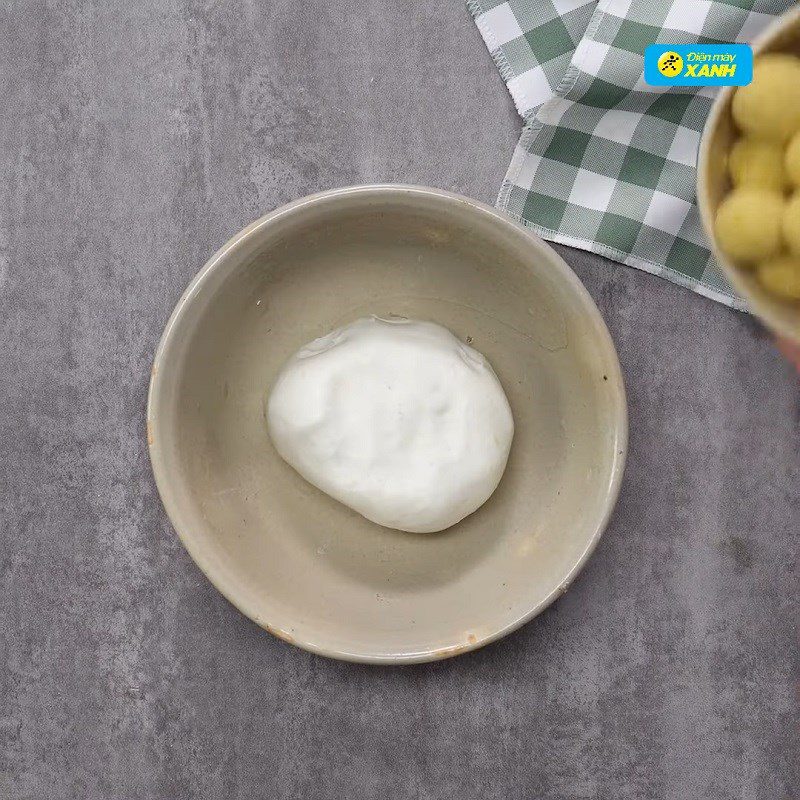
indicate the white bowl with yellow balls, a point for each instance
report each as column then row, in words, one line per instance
column 748, row 179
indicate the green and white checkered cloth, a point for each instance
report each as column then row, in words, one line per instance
column 607, row 163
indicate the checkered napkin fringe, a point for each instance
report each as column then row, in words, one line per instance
column 607, row 163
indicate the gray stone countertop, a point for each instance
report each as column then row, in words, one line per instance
column 135, row 138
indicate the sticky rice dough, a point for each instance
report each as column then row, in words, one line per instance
column 757, row 163
column 781, row 276
column 397, row 419
column 769, row 106
column 748, row 224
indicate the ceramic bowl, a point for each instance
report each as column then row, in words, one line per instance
column 783, row 35
column 302, row 565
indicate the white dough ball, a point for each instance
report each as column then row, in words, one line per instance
column 397, row 419
column 748, row 224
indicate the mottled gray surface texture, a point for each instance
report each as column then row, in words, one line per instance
column 135, row 138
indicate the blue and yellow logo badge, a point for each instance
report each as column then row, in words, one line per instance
column 698, row 64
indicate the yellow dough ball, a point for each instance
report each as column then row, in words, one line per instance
column 769, row 107
column 781, row 276
column 792, row 161
column 748, row 224
column 791, row 223
column 756, row 162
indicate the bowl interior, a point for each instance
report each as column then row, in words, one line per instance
column 307, row 567
column 714, row 184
